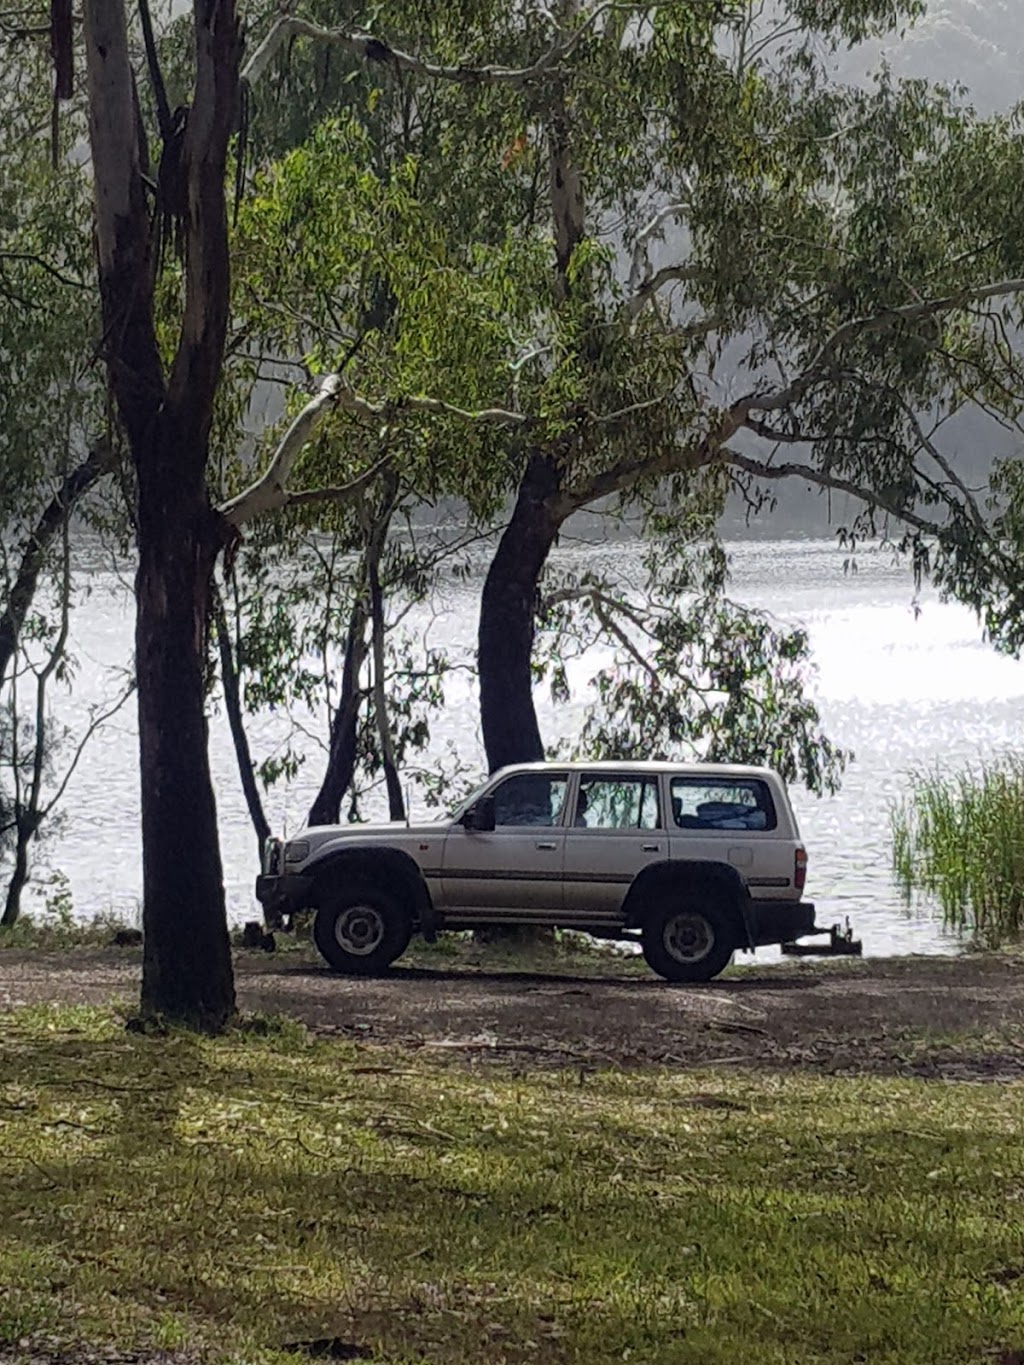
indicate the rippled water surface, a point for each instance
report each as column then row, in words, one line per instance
column 902, row 689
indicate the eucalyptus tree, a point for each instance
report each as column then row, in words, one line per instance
column 830, row 280
column 164, row 380
column 55, row 453
column 379, row 280
column 787, row 196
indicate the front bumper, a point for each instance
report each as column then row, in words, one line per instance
column 282, row 894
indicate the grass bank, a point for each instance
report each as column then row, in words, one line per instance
column 241, row 1195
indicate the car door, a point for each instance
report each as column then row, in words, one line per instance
column 514, row 870
column 616, row 830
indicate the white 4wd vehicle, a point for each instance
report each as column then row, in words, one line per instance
column 692, row 860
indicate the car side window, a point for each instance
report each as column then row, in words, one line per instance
column 617, row 803
column 530, row 799
column 725, row 803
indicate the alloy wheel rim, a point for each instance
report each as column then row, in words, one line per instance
column 688, row 937
column 359, row 929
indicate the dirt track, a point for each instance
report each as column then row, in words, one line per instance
column 956, row 1018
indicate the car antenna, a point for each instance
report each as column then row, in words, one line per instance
column 408, row 798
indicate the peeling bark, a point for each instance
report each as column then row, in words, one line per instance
column 187, row 972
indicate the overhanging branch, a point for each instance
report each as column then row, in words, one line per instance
column 876, row 322
column 374, row 49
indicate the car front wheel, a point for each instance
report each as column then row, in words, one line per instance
column 687, row 940
column 362, row 929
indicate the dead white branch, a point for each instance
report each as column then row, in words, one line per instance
column 374, row 49
column 270, row 492
column 668, row 274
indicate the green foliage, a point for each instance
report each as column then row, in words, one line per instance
column 48, row 307
column 958, row 842
column 292, row 597
column 693, row 674
column 401, row 226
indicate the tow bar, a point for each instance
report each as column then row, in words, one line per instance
column 841, row 943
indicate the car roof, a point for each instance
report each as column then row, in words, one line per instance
column 644, row 766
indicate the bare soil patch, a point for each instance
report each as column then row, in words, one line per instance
column 956, row 1018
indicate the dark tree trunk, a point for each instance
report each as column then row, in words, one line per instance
column 19, row 876
column 236, row 723
column 374, row 550
column 33, row 555
column 508, row 607
column 186, row 971
column 341, row 762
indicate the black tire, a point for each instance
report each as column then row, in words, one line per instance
column 361, row 929
column 688, row 939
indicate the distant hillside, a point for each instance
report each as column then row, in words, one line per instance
column 975, row 43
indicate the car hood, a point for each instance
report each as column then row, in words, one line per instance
column 395, row 832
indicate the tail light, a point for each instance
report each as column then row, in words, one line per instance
column 800, row 869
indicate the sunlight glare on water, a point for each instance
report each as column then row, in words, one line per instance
column 902, row 689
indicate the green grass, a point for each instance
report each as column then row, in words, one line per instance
column 236, row 1194
column 51, row 931
column 958, row 840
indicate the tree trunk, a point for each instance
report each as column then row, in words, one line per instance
column 508, row 607
column 341, row 762
column 19, row 876
column 53, row 516
column 186, row 970
column 396, row 802
column 236, row 723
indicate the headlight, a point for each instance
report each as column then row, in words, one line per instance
column 296, row 852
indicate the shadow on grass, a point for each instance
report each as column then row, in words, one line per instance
column 267, row 1190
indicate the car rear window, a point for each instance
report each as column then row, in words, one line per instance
column 741, row 803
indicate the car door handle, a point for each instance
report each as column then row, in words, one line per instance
column 651, row 848
column 548, row 847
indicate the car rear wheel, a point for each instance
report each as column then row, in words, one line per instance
column 687, row 940
column 362, row 929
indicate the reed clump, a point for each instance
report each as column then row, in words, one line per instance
column 958, row 843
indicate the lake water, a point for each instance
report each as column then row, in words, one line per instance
column 903, row 690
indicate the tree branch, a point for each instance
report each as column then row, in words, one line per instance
column 99, row 462
column 387, row 408
column 877, row 322
column 668, row 274
column 197, row 362
column 123, row 238
column 268, row 492
column 374, row 49
column 761, row 469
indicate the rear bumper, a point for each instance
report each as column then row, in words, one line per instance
column 780, row 921
column 282, row 894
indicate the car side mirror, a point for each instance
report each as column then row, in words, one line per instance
column 480, row 816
